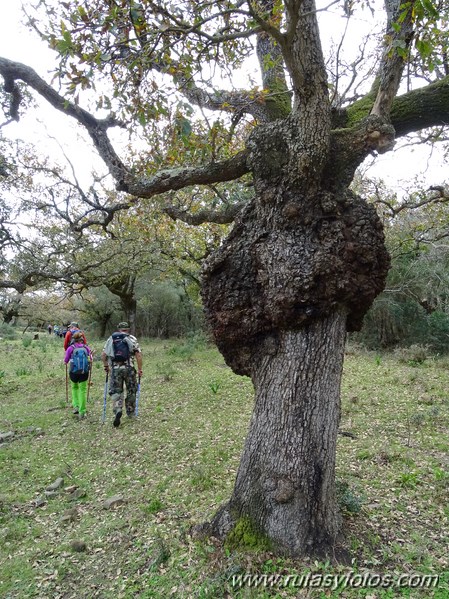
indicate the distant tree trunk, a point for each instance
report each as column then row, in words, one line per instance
column 124, row 289
column 10, row 308
column 129, row 306
column 104, row 320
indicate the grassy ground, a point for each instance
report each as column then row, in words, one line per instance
column 175, row 464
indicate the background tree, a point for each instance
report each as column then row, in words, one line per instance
column 306, row 256
column 413, row 308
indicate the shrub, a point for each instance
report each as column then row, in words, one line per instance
column 413, row 355
column 349, row 502
column 166, row 370
column 7, row 331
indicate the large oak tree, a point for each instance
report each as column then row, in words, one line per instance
column 306, row 256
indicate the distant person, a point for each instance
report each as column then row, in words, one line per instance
column 118, row 356
column 50, row 329
column 63, row 332
column 79, row 356
column 74, row 327
column 56, row 330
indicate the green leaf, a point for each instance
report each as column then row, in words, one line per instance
column 430, row 9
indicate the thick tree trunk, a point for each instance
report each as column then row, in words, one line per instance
column 302, row 265
column 285, row 482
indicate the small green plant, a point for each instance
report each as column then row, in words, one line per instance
column 440, row 474
column 349, row 502
column 201, row 479
column 183, row 351
column 378, row 360
column 160, row 554
column 363, row 454
column 7, row 331
column 153, row 506
column 433, row 413
column 26, row 341
column 214, row 386
column 22, row 371
column 417, row 419
column 166, row 370
column 408, row 480
column 2, row 376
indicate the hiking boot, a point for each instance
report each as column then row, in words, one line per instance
column 129, row 412
column 75, row 411
column 82, row 416
column 116, row 422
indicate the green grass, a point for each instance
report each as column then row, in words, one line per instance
column 176, row 463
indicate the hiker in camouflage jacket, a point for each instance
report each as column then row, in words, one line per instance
column 122, row 373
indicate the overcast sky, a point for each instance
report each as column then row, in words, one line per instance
column 17, row 43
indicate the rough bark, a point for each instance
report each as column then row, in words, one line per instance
column 296, row 254
column 421, row 108
column 285, row 482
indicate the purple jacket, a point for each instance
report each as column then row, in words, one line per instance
column 69, row 351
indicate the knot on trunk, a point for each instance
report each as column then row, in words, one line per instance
column 285, row 491
column 281, row 269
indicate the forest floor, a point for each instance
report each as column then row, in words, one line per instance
column 118, row 524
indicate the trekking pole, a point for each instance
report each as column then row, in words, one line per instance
column 66, row 385
column 136, row 410
column 103, row 419
column 88, row 381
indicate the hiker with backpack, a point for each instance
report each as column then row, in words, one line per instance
column 119, row 353
column 74, row 327
column 79, row 356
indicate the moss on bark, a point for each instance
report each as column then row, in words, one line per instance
column 245, row 535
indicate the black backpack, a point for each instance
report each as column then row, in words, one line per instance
column 120, row 347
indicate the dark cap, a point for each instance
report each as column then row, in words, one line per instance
column 123, row 325
column 74, row 324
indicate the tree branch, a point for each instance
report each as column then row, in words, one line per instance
column 223, row 216
column 141, row 187
column 178, row 178
column 242, row 101
column 397, row 42
column 424, row 107
column 97, row 128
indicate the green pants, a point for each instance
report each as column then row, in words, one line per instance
column 79, row 396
